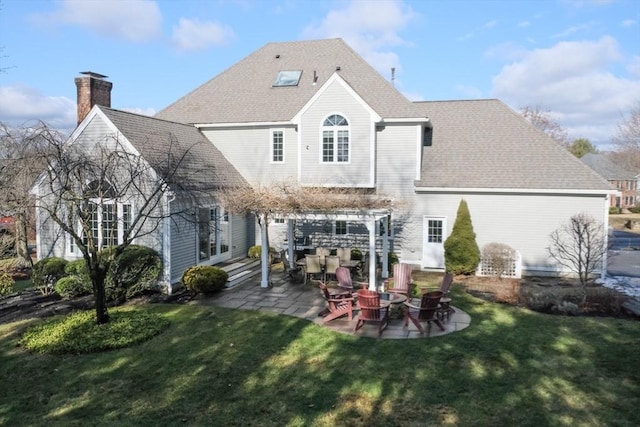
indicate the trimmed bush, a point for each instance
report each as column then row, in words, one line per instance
column 356, row 254
column 73, row 286
column 614, row 210
column 256, row 251
column 6, row 284
column 47, row 272
column 461, row 252
column 133, row 272
column 205, row 279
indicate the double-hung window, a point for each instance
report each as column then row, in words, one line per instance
column 335, row 139
column 277, row 146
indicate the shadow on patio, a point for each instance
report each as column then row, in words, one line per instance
column 306, row 302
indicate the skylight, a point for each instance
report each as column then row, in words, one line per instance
column 288, row 78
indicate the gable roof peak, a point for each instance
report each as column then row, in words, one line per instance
column 245, row 92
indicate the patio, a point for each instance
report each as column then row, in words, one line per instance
column 306, row 301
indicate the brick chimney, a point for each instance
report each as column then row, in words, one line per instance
column 92, row 90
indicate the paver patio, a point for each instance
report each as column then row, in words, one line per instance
column 306, row 301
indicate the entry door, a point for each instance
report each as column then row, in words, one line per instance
column 434, row 229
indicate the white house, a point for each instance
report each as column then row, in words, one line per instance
column 314, row 112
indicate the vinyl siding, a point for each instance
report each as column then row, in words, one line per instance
column 249, row 150
column 336, row 100
column 396, row 160
column 521, row 221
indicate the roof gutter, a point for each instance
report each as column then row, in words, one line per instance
column 243, row 124
column 563, row 191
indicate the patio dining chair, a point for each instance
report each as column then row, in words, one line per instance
column 371, row 311
column 312, row 267
column 322, row 253
column 331, row 264
column 425, row 312
column 344, row 254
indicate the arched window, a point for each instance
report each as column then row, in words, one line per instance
column 335, row 139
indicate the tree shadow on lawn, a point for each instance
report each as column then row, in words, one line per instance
column 233, row 367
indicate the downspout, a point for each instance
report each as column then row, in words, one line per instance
column 168, row 197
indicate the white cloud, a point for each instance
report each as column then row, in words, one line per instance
column 371, row 28
column 524, row 24
column 628, row 23
column 195, row 35
column 133, row 20
column 574, row 80
column 20, row 104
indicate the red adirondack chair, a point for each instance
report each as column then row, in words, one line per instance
column 371, row 311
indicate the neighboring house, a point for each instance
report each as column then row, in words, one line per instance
column 624, row 181
column 316, row 113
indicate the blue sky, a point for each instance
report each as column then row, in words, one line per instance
column 578, row 59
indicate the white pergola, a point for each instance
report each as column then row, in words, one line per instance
column 368, row 217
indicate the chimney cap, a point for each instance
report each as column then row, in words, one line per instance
column 94, row 75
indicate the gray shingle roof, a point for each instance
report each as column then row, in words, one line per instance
column 485, row 144
column 203, row 168
column 606, row 168
column 244, row 92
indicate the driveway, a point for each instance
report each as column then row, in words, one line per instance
column 621, row 260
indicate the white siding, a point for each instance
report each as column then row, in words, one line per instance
column 249, row 150
column 336, row 100
column 521, row 221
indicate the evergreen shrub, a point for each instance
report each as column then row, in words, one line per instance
column 204, row 279
column 47, row 272
column 461, row 252
column 134, row 272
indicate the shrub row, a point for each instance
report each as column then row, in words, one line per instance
column 132, row 273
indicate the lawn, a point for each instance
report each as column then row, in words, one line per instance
column 225, row 367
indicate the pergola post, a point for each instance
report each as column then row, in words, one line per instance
column 291, row 247
column 371, row 226
column 385, row 248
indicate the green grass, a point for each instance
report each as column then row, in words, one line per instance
column 225, row 367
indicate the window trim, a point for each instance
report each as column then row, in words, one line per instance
column 223, row 217
column 335, row 134
column 272, row 142
column 72, row 249
column 335, row 228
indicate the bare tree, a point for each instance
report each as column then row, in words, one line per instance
column 580, row 246
column 287, row 198
column 88, row 192
column 543, row 121
column 627, row 141
column 20, row 164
